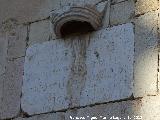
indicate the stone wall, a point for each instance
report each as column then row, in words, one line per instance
column 113, row 71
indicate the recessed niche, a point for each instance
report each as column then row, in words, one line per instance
column 75, row 27
column 76, row 20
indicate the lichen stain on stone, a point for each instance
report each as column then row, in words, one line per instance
column 78, row 73
column 96, row 54
column 10, row 26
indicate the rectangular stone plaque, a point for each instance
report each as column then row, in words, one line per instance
column 79, row 71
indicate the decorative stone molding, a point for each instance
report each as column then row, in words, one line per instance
column 76, row 18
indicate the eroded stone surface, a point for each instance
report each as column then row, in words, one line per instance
column 79, row 71
column 150, row 108
column 3, row 52
column 146, row 108
column 117, row 1
column 109, row 65
column 64, row 16
column 17, row 42
column 25, row 11
column 11, row 83
column 45, row 78
column 105, row 20
column 106, row 111
column 16, row 36
column 39, row 32
column 144, row 6
column 122, row 12
column 146, row 55
column 51, row 116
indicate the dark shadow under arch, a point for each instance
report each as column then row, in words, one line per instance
column 75, row 27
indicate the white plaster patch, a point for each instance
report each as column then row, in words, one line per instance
column 109, row 71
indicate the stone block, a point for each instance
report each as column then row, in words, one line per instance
column 50, row 116
column 39, row 32
column 79, row 71
column 16, row 36
column 105, row 20
column 146, row 55
column 147, row 108
column 150, row 108
column 144, row 6
column 3, row 52
column 17, row 42
column 122, row 110
column 25, row 11
column 122, row 12
column 3, row 58
column 11, row 83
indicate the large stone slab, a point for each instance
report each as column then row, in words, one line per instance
column 109, row 65
column 79, row 71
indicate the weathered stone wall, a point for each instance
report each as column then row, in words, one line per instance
column 113, row 71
